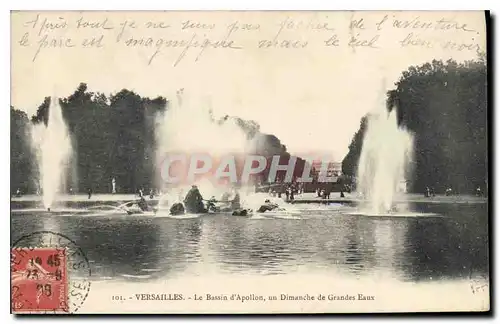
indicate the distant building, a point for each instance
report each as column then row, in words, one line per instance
column 334, row 169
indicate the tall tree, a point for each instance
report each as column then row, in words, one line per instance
column 112, row 137
column 21, row 157
column 445, row 106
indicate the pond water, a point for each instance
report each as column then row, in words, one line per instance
column 321, row 245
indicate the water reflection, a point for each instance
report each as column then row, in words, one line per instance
column 350, row 244
column 448, row 248
column 118, row 248
column 179, row 244
column 248, row 246
column 411, row 249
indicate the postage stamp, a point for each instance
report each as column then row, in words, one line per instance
column 39, row 279
column 49, row 274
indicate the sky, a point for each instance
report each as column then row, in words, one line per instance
column 311, row 97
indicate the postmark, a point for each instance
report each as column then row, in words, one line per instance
column 49, row 274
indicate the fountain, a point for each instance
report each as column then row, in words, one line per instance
column 385, row 166
column 189, row 127
column 52, row 147
column 384, row 163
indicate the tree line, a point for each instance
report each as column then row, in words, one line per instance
column 112, row 137
column 444, row 104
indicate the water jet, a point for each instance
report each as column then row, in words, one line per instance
column 52, row 146
column 189, row 127
column 384, row 164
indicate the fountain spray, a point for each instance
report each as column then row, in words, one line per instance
column 52, row 146
column 384, row 162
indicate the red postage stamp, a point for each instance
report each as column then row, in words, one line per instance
column 39, row 280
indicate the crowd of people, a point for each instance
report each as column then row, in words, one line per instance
column 290, row 191
column 430, row 192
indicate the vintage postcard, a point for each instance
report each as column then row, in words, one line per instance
column 236, row 162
